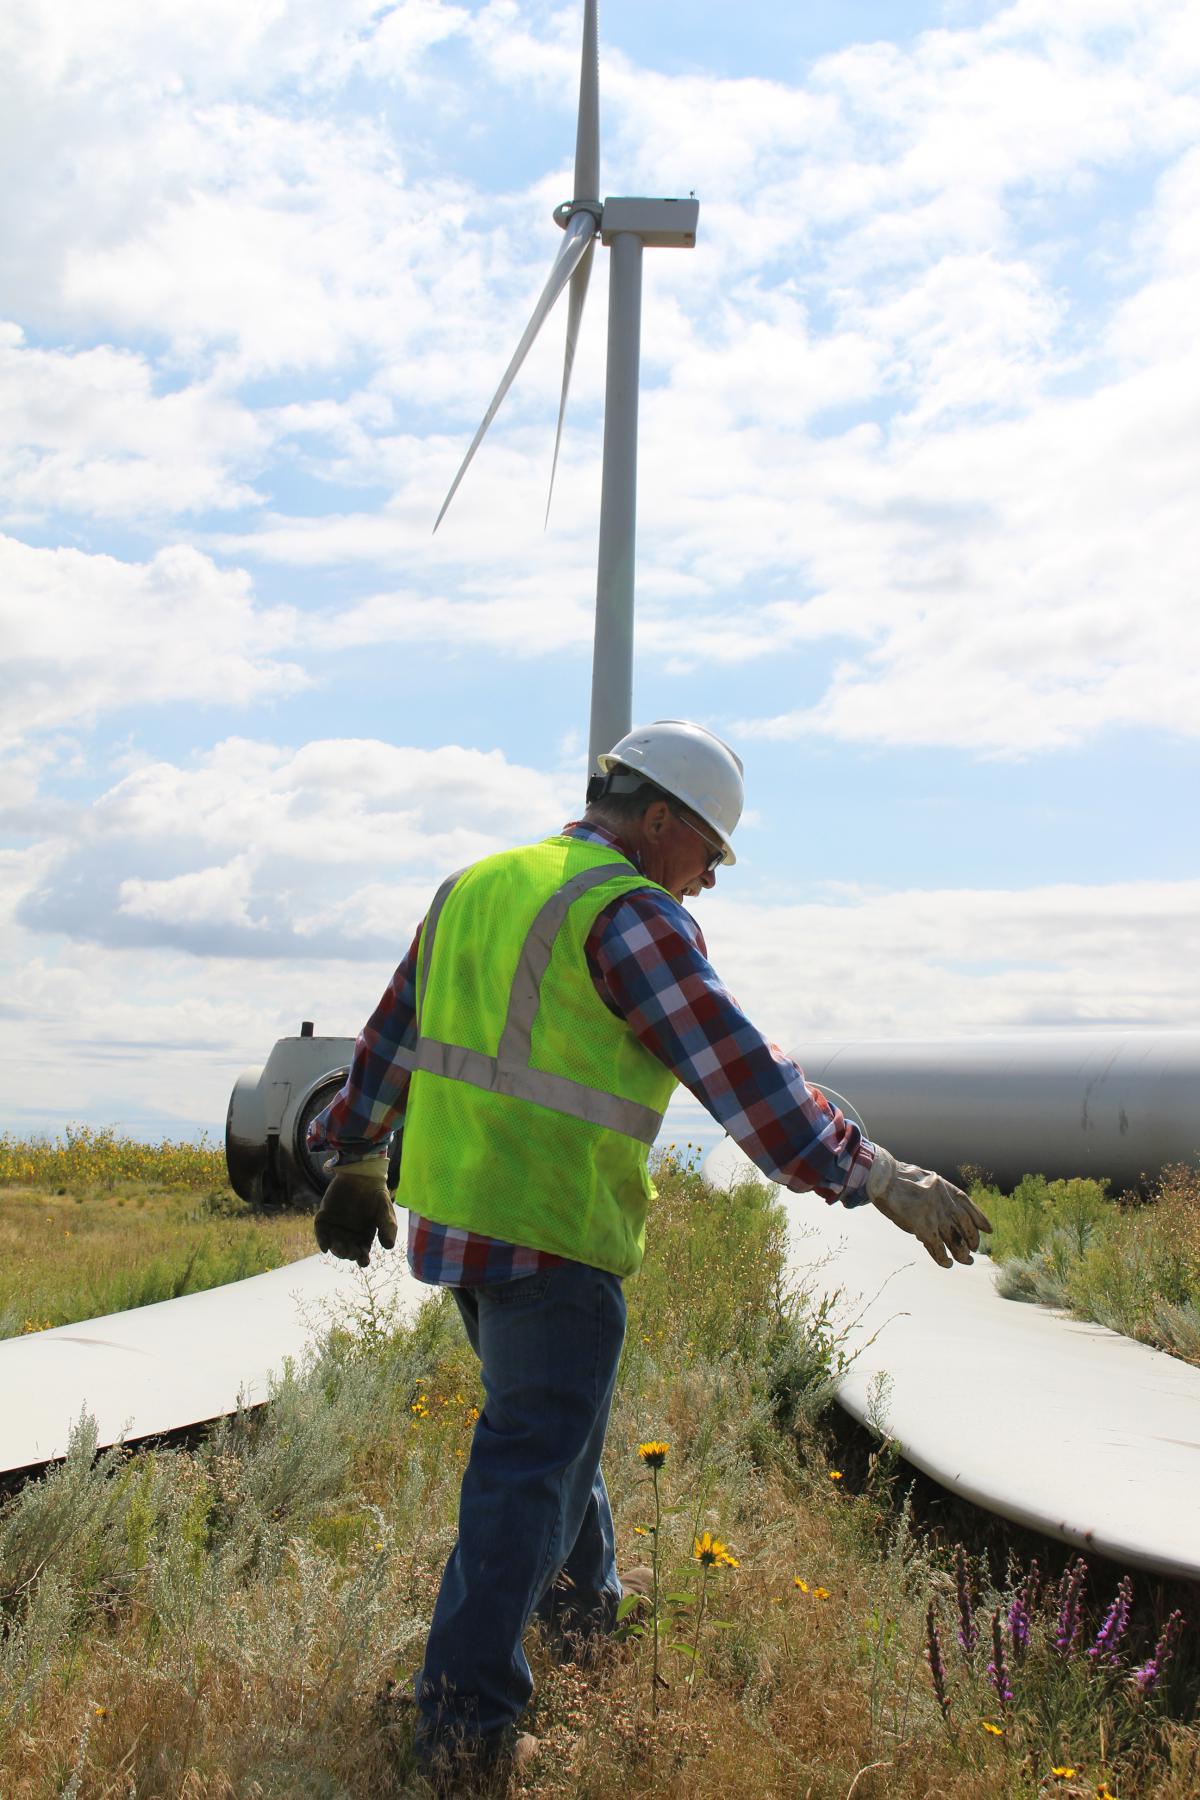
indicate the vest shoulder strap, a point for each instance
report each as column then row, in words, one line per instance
column 509, row 1071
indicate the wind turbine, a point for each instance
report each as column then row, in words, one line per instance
column 625, row 226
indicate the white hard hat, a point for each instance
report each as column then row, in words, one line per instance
column 689, row 763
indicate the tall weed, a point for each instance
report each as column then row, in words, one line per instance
column 1134, row 1268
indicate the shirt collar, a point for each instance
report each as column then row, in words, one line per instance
column 600, row 834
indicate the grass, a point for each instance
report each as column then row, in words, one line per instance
column 1132, row 1266
column 99, row 1224
column 225, row 1621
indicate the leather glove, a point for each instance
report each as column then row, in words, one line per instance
column 931, row 1208
column 354, row 1207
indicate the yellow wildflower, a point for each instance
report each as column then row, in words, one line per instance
column 1062, row 1773
column 835, row 1474
column 709, row 1550
column 653, row 1454
column 802, row 1585
column 995, row 1730
column 820, row 1593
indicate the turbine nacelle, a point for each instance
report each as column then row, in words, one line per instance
column 661, row 224
column 658, row 224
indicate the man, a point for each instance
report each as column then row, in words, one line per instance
column 530, row 1041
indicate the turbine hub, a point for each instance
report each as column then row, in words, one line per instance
column 564, row 212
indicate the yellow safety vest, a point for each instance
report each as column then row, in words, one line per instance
column 532, row 1107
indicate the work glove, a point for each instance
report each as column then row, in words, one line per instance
column 354, row 1207
column 932, row 1209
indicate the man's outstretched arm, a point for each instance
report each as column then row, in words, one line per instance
column 650, row 964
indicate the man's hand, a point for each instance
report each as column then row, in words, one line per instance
column 932, row 1209
column 355, row 1206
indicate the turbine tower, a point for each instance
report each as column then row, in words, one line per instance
column 625, row 226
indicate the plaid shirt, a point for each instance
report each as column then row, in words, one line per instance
column 647, row 961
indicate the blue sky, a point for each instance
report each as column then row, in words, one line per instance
column 918, row 527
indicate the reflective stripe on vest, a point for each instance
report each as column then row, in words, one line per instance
column 509, row 1071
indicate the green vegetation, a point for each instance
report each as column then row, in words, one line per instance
column 240, row 1619
column 88, row 1159
column 1133, row 1266
column 80, row 1238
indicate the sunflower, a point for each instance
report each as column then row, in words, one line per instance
column 709, row 1550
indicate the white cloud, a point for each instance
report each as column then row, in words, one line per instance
column 970, row 333
column 277, row 243
column 215, row 896
column 259, row 851
column 99, row 1032
column 945, row 961
column 336, row 802
column 250, row 45
column 87, row 634
column 1153, row 325
column 530, row 615
column 86, row 432
column 28, row 771
column 1023, row 585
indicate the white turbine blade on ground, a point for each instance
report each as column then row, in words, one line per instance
column 580, row 232
column 575, row 300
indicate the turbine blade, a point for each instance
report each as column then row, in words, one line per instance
column 579, row 235
column 587, row 130
column 575, row 300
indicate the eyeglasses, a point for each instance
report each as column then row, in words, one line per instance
column 718, row 856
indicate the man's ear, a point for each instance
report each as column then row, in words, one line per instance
column 654, row 819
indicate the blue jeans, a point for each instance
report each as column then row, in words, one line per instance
column 535, row 1534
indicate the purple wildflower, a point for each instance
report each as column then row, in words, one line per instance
column 937, row 1665
column 1020, row 1613
column 1107, row 1647
column 1033, row 1584
column 1151, row 1673
column 998, row 1667
column 1070, row 1616
column 968, row 1631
